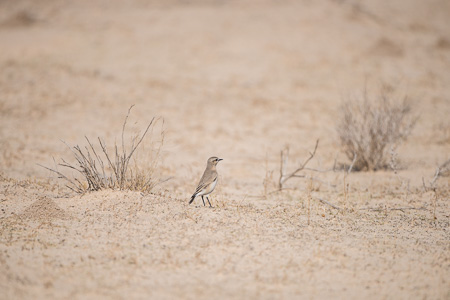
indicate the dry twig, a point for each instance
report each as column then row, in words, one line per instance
column 284, row 157
column 442, row 170
column 327, row 203
column 394, row 208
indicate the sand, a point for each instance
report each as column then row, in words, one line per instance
column 240, row 80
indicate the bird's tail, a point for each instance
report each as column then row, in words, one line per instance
column 192, row 199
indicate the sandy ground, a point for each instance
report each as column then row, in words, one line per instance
column 239, row 80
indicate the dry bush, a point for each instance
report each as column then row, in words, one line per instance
column 101, row 170
column 369, row 128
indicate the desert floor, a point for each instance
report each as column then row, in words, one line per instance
column 240, row 80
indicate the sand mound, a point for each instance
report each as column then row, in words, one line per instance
column 44, row 209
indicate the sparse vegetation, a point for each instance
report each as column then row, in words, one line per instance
column 101, row 170
column 368, row 128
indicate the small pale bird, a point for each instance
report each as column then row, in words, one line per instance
column 208, row 181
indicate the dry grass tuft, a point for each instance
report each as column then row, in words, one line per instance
column 101, row 170
column 369, row 128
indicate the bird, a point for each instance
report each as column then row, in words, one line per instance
column 208, row 181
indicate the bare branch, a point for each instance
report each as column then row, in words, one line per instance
column 123, row 128
column 284, row 156
column 319, row 170
column 394, row 208
column 353, row 162
column 61, row 175
column 327, row 203
column 440, row 171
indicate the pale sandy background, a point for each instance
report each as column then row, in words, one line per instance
column 239, row 80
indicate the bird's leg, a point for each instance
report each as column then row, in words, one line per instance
column 204, row 201
column 208, row 201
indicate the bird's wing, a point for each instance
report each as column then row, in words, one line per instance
column 207, row 179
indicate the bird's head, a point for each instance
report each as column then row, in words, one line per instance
column 214, row 160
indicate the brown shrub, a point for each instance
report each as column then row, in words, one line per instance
column 369, row 128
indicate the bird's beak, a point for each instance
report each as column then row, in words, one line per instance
column 219, row 159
